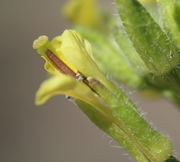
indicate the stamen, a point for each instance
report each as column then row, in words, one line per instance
column 60, row 64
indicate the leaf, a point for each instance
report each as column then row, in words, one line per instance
column 155, row 48
column 170, row 12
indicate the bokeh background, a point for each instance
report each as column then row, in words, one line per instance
column 57, row 131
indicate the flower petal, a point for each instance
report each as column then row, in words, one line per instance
column 51, row 87
column 78, row 52
column 62, row 84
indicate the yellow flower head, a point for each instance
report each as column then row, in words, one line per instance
column 68, row 58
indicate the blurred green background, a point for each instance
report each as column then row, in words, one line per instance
column 57, row 131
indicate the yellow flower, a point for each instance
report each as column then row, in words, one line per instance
column 69, row 53
column 68, row 58
column 82, row 12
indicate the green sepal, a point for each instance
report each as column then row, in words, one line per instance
column 108, row 126
column 154, row 145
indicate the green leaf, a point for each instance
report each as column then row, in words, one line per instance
column 170, row 12
column 155, row 48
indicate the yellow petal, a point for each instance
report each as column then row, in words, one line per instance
column 74, row 52
column 51, row 87
column 78, row 52
column 65, row 85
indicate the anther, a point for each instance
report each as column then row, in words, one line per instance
column 60, row 65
